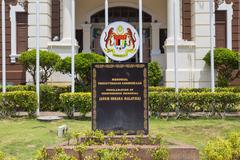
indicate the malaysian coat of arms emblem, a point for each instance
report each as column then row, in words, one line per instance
column 120, row 41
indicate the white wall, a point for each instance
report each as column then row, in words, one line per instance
column 201, row 36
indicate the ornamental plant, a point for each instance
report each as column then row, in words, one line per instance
column 234, row 139
column 83, row 64
column 223, row 149
column 226, row 62
column 4, row 157
column 154, row 74
column 113, row 154
column 61, row 155
column 161, row 153
column 48, row 62
column 218, row 149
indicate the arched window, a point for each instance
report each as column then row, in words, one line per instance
column 126, row 14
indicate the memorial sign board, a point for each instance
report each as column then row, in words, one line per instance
column 120, row 98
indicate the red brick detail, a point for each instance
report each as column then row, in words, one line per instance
column 236, row 25
column 15, row 72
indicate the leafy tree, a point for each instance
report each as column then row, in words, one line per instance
column 226, row 62
column 83, row 64
column 154, row 74
column 48, row 61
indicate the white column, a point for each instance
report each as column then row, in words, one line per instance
column 45, row 23
column 67, row 7
column 87, row 38
column 155, row 39
column 64, row 46
column 171, row 19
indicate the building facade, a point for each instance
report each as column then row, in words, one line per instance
column 193, row 30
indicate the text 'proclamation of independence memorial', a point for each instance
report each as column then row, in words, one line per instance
column 120, row 98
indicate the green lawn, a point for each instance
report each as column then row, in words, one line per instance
column 22, row 137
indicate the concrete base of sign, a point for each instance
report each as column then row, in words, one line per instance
column 48, row 118
column 141, row 150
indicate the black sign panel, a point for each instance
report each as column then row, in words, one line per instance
column 120, row 98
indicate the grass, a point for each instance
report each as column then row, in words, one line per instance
column 22, row 137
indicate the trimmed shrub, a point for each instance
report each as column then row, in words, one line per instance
column 83, row 64
column 188, row 102
column 81, row 102
column 161, row 89
column 48, row 61
column 182, row 103
column 154, row 74
column 12, row 102
column 226, row 61
column 49, row 95
column 229, row 89
column 161, row 102
column 168, row 89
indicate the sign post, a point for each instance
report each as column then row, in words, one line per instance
column 3, row 48
column 175, row 47
column 106, row 21
column 140, row 32
column 73, row 47
column 211, row 46
column 120, row 90
column 38, row 56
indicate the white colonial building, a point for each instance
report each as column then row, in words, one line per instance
column 192, row 27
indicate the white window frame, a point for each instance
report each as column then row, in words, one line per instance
column 13, row 10
column 228, row 7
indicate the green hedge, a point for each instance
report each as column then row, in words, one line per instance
column 80, row 102
column 167, row 89
column 188, row 102
column 49, row 95
column 13, row 102
column 50, row 101
column 182, row 103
